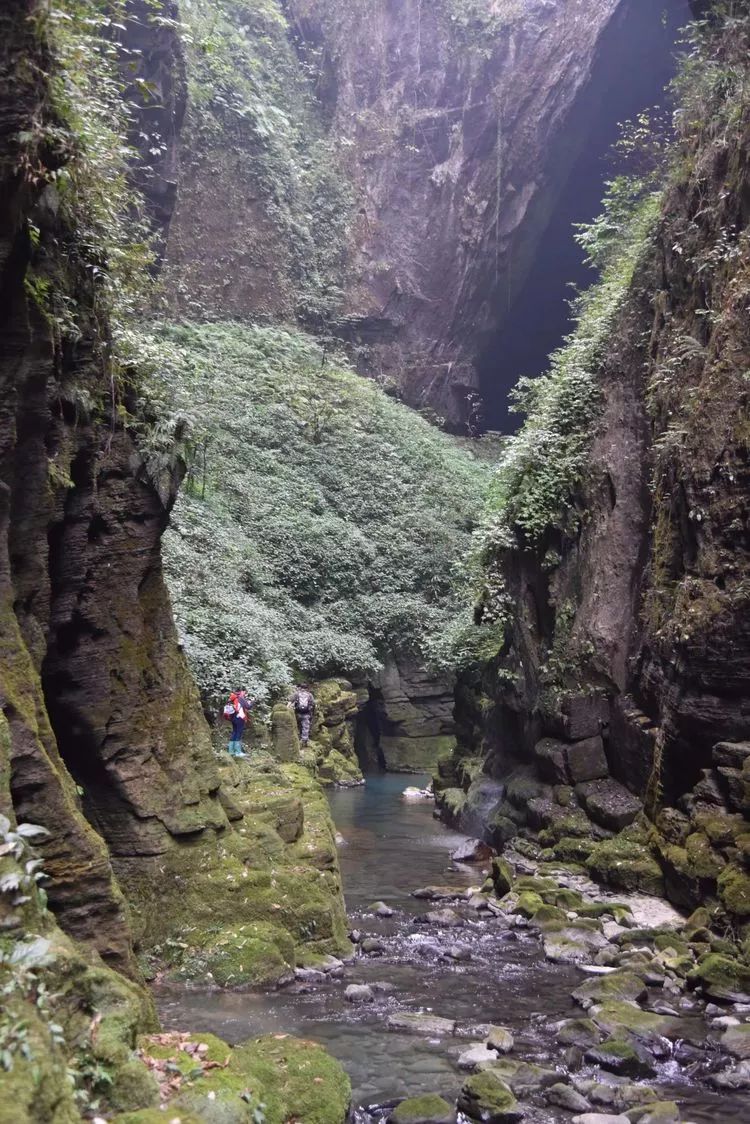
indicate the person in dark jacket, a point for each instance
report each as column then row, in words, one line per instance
column 303, row 704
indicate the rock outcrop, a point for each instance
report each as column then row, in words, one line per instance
column 440, row 130
column 413, row 718
column 630, row 635
column 109, row 749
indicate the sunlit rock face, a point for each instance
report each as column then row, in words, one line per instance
column 460, row 147
column 451, row 136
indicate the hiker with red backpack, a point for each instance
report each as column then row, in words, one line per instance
column 237, row 711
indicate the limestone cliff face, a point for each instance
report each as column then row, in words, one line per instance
column 109, row 749
column 449, row 129
column 641, row 618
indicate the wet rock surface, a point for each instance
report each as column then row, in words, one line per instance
column 430, row 1033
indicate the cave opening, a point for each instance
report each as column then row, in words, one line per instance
column 636, row 61
column 367, row 732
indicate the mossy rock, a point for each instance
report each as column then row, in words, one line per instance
column 502, row 876
column 157, row 1116
column 37, row 1088
column 619, row 1019
column 722, row 828
column 619, row 985
column 284, row 733
column 427, row 1109
column 734, row 890
column 574, row 849
column 722, row 977
column 335, row 768
column 256, row 953
column 626, row 863
column 621, row 1057
column 579, row 1032
column 549, row 917
column 527, row 904
column 703, row 860
column 562, row 898
column 486, row 1097
column 292, row 1078
column 452, row 802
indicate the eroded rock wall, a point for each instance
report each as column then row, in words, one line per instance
column 442, row 130
column 109, row 749
column 625, row 679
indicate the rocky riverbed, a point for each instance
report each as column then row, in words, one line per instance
column 506, row 989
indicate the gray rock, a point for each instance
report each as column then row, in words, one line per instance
column 478, row 903
column 381, row 909
column 586, row 760
column 736, row 1041
column 579, row 716
column 609, row 803
column 567, row 1098
column 472, row 851
column 550, row 758
column 736, row 1077
column 446, row 918
column 432, row 1026
column 459, row 952
column 436, row 893
column 476, row 1056
column 358, row 993
column 731, row 754
column 708, row 790
column 309, row 975
column 600, row 1118
column 499, row 1040
column 372, row 945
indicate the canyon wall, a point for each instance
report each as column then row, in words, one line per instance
column 108, row 748
column 383, row 171
column 622, row 683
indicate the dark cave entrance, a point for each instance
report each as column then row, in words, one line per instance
column 636, row 61
column 367, row 734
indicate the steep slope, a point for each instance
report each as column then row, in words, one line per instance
column 617, row 554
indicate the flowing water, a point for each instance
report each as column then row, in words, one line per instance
column 393, row 847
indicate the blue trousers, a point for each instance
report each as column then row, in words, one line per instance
column 238, row 728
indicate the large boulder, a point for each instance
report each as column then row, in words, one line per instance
column 284, row 733
column 586, row 760
column 609, row 803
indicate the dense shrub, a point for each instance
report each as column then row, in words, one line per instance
column 326, row 525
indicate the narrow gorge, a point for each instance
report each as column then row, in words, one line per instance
column 398, row 348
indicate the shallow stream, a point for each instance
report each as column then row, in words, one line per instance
column 393, row 847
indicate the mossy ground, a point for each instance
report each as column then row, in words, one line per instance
column 243, row 907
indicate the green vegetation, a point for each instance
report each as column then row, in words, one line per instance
column 320, row 520
column 253, row 106
column 544, row 463
column 78, row 147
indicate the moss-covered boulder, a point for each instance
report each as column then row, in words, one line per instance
column 615, row 985
column 284, row 733
column 502, row 876
column 486, row 1097
column 734, row 890
column 451, row 802
column 722, row 977
column 627, row 863
column 621, row 1057
column 291, row 1078
column 427, row 1109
